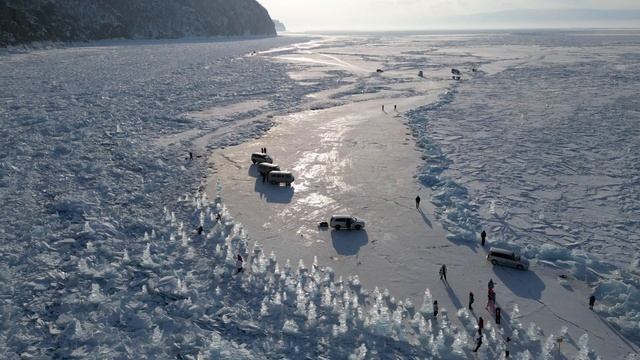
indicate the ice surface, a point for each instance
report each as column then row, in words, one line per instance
column 542, row 160
column 96, row 141
column 188, row 310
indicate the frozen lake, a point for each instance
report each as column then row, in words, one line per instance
column 485, row 164
column 537, row 147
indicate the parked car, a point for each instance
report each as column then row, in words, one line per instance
column 506, row 257
column 346, row 222
column 279, row 177
column 258, row 158
column 265, row 168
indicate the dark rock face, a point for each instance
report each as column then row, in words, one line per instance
column 80, row 20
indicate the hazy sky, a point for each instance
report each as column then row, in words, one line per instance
column 300, row 15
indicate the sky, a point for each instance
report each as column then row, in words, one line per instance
column 305, row 15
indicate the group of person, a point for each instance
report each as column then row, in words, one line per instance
column 491, row 297
column 395, row 107
column 491, row 305
column 491, row 302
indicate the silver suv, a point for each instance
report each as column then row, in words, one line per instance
column 506, row 257
column 346, row 222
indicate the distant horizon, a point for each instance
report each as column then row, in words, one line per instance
column 456, row 29
column 512, row 18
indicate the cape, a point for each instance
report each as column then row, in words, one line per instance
column 23, row 21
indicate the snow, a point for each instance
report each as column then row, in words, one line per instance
column 335, row 145
column 100, row 257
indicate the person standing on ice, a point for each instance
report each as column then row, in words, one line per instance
column 417, row 201
column 490, row 285
column 592, row 301
column 190, row 156
column 506, row 347
column 490, row 297
column 498, row 315
column 395, row 107
column 239, row 264
column 443, row 272
column 478, row 343
column 435, row 308
column 480, row 325
column 470, row 300
column 382, row 107
column 483, row 237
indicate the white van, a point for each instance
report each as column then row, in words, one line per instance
column 265, row 168
column 346, row 222
column 506, row 257
column 278, row 177
column 258, row 158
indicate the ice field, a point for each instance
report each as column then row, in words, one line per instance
column 99, row 254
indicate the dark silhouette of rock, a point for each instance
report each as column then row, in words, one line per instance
column 23, row 21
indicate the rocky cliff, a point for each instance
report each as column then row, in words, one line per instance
column 279, row 25
column 24, row 21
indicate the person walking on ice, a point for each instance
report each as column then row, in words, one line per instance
column 443, row 272
column 470, row 301
column 239, row 264
column 435, row 308
column 483, row 237
column 592, row 301
column 395, row 107
column 478, row 343
column 417, row 201
column 480, row 325
column 382, row 107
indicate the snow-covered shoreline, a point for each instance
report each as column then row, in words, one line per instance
column 51, row 45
